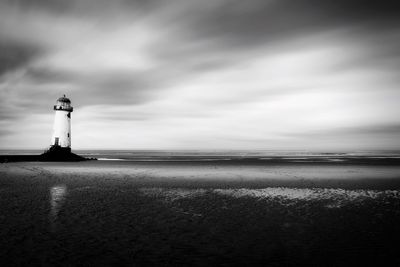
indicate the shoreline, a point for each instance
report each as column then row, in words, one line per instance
column 207, row 174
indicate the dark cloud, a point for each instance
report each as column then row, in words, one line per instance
column 259, row 22
column 355, row 10
column 103, row 87
column 50, row 5
column 13, row 55
column 6, row 115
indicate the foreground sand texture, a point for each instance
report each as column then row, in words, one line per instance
column 120, row 213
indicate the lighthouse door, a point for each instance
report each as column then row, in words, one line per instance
column 56, row 141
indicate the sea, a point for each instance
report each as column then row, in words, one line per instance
column 289, row 156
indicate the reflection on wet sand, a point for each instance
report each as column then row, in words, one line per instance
column 57, row 198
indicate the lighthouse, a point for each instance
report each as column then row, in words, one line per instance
column 61, row 138
column 60, row 149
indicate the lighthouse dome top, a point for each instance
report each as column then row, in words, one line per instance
column 63, row 104
column 64, row 99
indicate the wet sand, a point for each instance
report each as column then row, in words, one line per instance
column 102, row 213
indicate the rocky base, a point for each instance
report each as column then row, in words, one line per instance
column 54, row 153
column 57, row 153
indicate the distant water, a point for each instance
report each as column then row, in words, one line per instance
column 234, row 155
column 229, row 155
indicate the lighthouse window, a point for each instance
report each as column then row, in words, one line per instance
column 68, row 134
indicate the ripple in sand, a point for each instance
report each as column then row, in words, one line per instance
column 172, row 194
column 308, row 193
column 334, row 198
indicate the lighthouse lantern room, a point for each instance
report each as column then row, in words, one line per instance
column 62, row 124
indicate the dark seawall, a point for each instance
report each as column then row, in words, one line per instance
column 42, row 157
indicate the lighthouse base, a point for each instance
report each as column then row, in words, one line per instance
column 59, row 150
column 58, row 153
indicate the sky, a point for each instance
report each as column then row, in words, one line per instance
column 209, row 74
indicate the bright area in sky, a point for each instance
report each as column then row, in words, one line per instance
column 202, row 74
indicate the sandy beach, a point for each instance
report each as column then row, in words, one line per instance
column 102, row 213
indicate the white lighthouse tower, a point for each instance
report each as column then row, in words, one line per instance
column 62, row 125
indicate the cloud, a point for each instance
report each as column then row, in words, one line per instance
column 13, row 56
column 208, row 73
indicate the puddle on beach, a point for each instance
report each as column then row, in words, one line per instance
column 57, row 199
